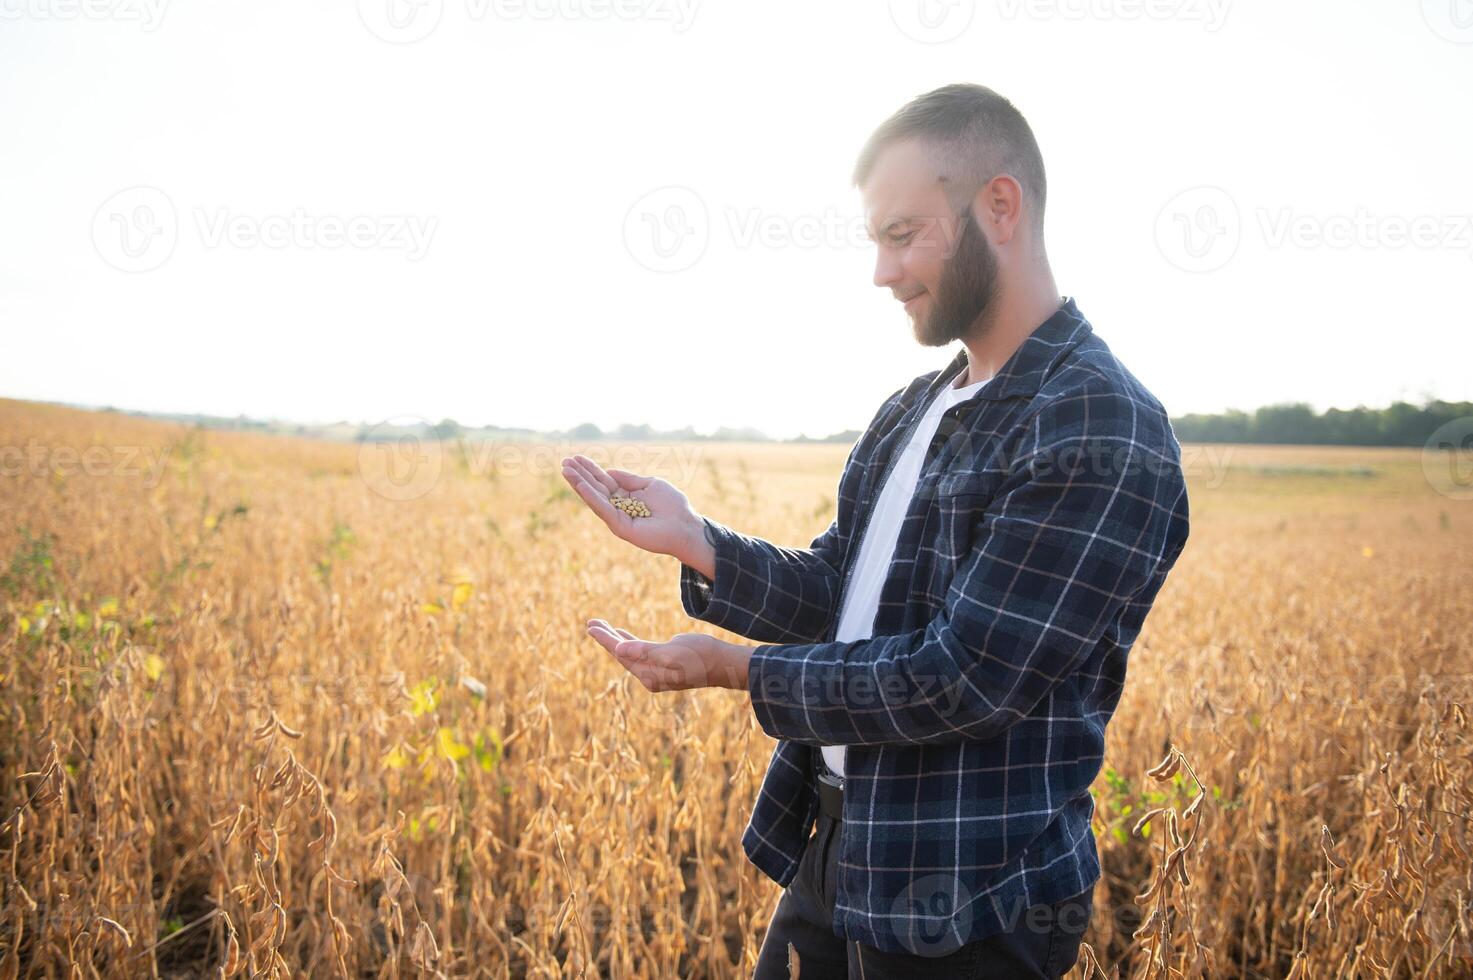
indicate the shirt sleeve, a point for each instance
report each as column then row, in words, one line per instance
column 1091, row 515
column 764, row 591
column 774, row 594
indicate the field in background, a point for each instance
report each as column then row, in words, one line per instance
column 272, row 702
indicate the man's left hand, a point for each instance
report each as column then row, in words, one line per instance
column 686, row 662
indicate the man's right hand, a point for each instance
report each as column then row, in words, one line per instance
column 672, row 528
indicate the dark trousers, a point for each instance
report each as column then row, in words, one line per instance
column 805, row 910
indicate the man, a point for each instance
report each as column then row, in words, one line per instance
column 939, row 665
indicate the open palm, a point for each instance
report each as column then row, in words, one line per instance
column 668, row 528
column 685, row 662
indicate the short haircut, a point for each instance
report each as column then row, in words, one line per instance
column 973, row 134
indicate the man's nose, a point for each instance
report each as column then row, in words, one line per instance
column 887, row 270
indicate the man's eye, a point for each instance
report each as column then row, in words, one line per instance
column 901, row 240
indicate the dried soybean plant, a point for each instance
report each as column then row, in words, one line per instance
column 282, row 800
column 1157, row 935
column 391, row 818
column 1167, row 900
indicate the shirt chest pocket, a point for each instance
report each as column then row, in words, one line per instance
column 956, row 502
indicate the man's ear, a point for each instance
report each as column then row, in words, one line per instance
column 999, row 208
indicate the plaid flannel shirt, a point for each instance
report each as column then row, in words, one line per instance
column 1049, row 509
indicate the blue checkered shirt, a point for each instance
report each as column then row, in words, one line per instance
column 1048, row 511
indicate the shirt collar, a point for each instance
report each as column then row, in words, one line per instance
column 1024, row 371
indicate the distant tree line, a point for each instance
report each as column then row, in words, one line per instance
column 1398, row 424
column 1294, row 423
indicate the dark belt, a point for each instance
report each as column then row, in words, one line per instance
column 830, row 797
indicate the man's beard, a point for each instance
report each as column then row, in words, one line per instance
column 967, row 289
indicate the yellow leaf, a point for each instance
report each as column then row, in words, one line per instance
column 461, row 595
column 432, row 608
column 210, row 523
column 422, row 698
column 108, row 609
column 450, row 747
column 396, row 759
column 153, row 666
column 25, row 625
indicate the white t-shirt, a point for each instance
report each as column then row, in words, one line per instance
column 877, row 548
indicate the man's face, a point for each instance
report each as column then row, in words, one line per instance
column 933, row 259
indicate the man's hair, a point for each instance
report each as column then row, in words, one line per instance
column 972, row 134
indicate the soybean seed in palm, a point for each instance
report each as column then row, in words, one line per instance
column 632, row 506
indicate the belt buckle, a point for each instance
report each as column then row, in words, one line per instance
column 824, row 773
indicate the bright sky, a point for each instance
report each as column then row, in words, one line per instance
column 546, row 212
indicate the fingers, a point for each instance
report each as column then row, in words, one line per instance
column 617, row 632
column 642, row 658
column 597, row 500
column 611, row 630
column 606, row 637
column 617, row 646
column 592, row 472
column 629, row 481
